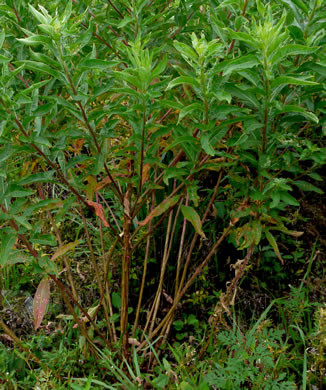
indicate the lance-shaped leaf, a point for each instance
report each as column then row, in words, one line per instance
column 160, row 209
column 204, row 140
column 298, row 110
column 186, row 50
column 93, row 63
column 99, row 211
column 43, row 68
column 244, row 37
column 44, row 18
column 286, row 80
column 64, row 249
column 237, row 64
column 305, row 186
column 190, row 109
column 272, row 241
column 41, row 301
column 2, row 38
column 192, row 216
column 290, row 50
column 35, row 40
column 184, row 80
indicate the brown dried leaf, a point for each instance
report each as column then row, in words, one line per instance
column 98, row 211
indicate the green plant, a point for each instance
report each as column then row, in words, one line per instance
column 126, row 129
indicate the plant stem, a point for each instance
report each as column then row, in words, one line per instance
column 125, row 271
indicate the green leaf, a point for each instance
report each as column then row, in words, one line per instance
column 6, row 152
column 244, row 37
column 129, row 78
column 204, row 141
column 186, row 50
column 35, row 40
column 256, row 231
column 160, row 67
column 43, row 109
column 67, row 13
column 273, row 243
column 93, row 63
column 50, row 31
column 287, row 80
column 189, row 109
column 300, row 4
column 16, row 191
column 171, row 104
column 33, row 87
column 244, row 93
column 223, row 95
column 116, row 300
column 4, row 58
column 41, row 177
column 22, row 221
column 178, row 325
column 184, row 80
column 181, row 140
column 289, row 199
column 43, row 68
column 192, row 216
column 7, row 242
column 40, row 17
column 126, row 20
column 161, row 381
column 276, row 197
column 174, row 173
column 238, row 64
column 2, row 38
column 305, row 186
column 298, row 110
column 290, row 50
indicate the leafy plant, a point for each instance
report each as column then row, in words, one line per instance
column 128, row 129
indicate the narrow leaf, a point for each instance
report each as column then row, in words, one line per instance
column 305, row 186
column 286, row 80
column 238, row 64
column 41, row 301
column 298, row 110
column 272, row 241
column 192, row 216
column 160, row 209
column 189, row 109
column 2, row 38
column 289, row 199
column 40, row 17
column 204, row 140
column 185, row 50
column 43, row 68
column 290, row 50
column 35, row 40
column 92, row 63
column 160, row 67
column 183, row 80
column 64, row 249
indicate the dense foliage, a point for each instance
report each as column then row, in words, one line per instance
column 154, row 155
